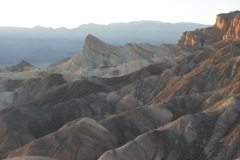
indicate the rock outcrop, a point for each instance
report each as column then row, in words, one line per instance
column 226, row 26
column 233, row 29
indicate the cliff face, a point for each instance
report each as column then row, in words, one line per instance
column 226, row 26
column 201, row 37
column 233, row 31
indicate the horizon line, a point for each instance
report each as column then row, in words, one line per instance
column 63, row 27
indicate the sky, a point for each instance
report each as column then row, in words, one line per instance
column 73, row 13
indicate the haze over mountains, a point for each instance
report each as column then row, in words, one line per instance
column 133, row 101
column 43, row 46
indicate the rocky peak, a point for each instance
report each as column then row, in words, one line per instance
column 227, row 26
column 24, row 63
column 92, row 42
column 22, row 66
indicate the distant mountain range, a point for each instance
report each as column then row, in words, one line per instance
column 42, row 46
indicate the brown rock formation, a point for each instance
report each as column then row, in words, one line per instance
column 226, row 26
column 233, row 31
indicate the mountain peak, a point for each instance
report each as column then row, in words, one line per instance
column 92, row 43
column 22, row 66
column 90, row 39
column 24, row 63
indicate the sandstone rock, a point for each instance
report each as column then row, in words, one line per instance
column 226, row 26
column 234, row 29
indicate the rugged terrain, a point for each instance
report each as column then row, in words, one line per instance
column 135, row 101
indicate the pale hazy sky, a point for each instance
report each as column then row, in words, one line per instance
column 72, row 13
